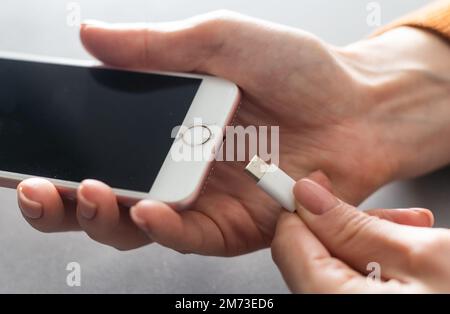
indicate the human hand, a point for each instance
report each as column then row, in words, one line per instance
column 330, row 103
column 328, row 245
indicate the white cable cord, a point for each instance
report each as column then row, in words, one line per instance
column 273, row 181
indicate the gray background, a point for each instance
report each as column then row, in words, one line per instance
column 35, row 262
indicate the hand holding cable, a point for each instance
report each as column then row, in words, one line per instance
column 330, row 246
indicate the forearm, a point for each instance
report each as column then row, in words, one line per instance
column 406, row 75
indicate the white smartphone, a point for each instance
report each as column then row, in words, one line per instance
column 68, row 120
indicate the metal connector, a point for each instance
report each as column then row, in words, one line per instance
column 256, row 168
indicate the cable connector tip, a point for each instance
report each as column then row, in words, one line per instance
column 256, row 168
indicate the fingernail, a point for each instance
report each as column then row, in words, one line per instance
column 314, row 198
column 138, row 219
column 426, row 213
column 29, row 208
column 87, row 209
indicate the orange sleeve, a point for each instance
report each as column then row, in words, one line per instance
column 435, row 17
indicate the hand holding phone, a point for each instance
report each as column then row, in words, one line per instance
column 289, row 79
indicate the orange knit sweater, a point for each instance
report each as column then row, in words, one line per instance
column 435, row 17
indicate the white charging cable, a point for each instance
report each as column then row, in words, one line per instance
column 273, row 181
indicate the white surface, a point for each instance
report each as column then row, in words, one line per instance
column 34, row 262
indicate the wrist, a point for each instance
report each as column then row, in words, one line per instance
column 404, row 75
column 401, row 49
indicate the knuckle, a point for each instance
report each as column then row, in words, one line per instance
column 353, row 225
column 216, row 24
column 221, row 16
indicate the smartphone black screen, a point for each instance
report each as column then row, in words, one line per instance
column 72, row 123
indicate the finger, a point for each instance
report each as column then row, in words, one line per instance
column 185, row 232
column 353, row 236
column 419, row 217
column 322, row 179
column 43, row 208
column 223, row 44
column 99, row 215
column 305, row 263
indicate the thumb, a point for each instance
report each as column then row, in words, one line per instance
column 351, row 235
column 221, row 43
column 182, row 46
